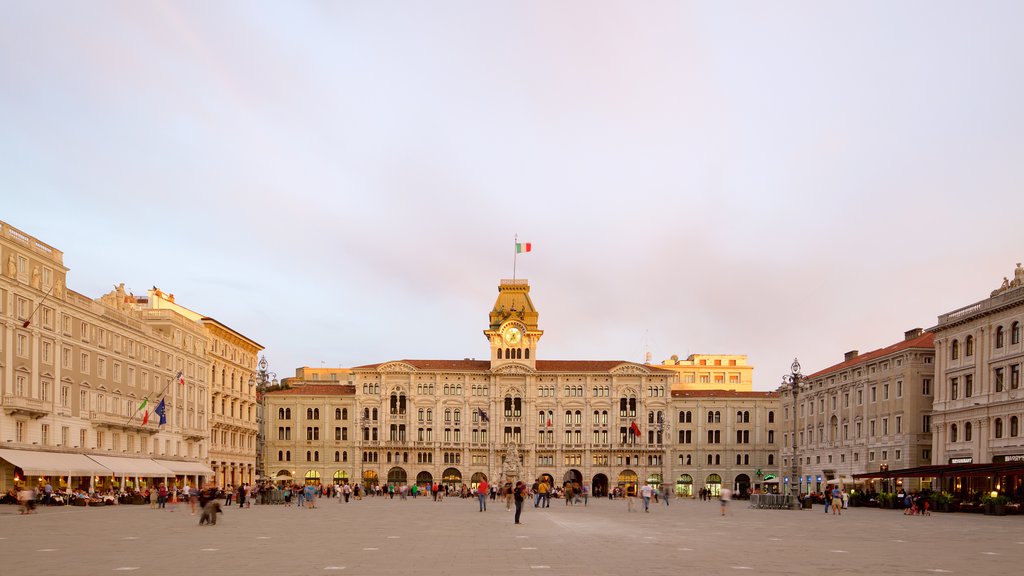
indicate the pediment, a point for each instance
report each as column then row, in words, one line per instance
column 514, row 369
column 630, row 369
column 393, row 367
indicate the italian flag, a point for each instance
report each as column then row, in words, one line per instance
column 523, row 247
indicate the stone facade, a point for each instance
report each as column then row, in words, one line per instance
column 74, row 370
column 712, row 372
column 867, row 412
column 603, row 423
column 979, row 402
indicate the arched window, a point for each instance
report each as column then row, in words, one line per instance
column 527, row 353
column 309, row 456
column 316, row 456
column 999, row 427
column 952, row 433
column 344, row 413
column 374, row 413
column 1015, row 333
column 309, row 413
column 711, row 417
column 280, row 455
column 337, row 456
column 771, row 459
column 287, row 455
column 771, row 416
column 568, row 417
column 954, row 350
column 682, row 417
column 344, row 456
column 650, row 417
column 316, row 413
column 337, row 413
column 579, row 417
column 967, row 431
column 969, row 346
column 739, row 417
column 718, row 417
column 458, row 416
column 999, row 337
column 280, row 413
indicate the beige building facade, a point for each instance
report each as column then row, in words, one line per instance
column 712, row 372
column 867, row 413
column 74, row 372
column 310, row 434
column 979, row 402
column 605, row 424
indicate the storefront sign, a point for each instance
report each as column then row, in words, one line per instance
column 1009, row 458
column 963, row 460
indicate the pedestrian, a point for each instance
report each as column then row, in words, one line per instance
column 519, row 496
column 481, row 493
column 346, row 491
column 724, row 496
column 190, row 494
column 585, row 490
column 161, row 501
column 287, row 497
column 645, row 493
column 241, row 496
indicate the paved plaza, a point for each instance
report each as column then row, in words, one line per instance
column 380, row 536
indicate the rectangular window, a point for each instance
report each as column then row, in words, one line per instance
column 998, row 379
column 885, row 426
column 1015, row 376
column 874, row 393
column 926, row 386
column 899, row 425
column 926, row 424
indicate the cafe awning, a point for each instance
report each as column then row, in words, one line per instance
column 185, row 468
column 143, row 467
column 949, row 470
column 35, row 463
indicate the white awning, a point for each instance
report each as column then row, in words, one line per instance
column 133, row 466
column 53, row 463
column 186, row 468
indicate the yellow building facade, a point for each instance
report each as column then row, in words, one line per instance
column 712, row 372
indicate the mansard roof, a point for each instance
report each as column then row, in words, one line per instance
column 316, row 390
column 722, row 394
column 926, row 340
column 595, row 366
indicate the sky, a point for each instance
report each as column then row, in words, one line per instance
column 343, row 182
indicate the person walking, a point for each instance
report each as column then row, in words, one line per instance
column 645, row 493
column 481, row 494
column 519, row 496
column 724, row 496
column 161, row 500
column 837, row 501
column 665, row 493
column 585, row 490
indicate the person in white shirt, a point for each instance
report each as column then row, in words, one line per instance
column 646, row 493
column 724, row 496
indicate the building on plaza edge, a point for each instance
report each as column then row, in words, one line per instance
column 866, row 413
column 603, row 423
column 77, row 376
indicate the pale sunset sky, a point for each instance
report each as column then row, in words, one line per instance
column 343, row 181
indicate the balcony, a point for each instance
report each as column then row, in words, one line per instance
column 119, row 421
column 20, row 405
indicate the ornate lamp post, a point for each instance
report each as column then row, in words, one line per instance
column 662, row 427
column 793, row 383
column 263, row 378
column 364, row 425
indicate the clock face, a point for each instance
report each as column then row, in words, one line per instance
column 512, row 335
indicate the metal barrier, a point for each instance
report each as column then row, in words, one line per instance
column 771, row 501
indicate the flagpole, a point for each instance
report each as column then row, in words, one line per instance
column 515, row 255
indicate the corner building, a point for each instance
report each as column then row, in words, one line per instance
column 603, row 423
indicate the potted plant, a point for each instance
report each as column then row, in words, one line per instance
column 942, row 501
column 886, row 500
column 995, row 504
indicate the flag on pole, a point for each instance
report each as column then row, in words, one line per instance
column 161, row 411
column 181, row 377
column 143, row 405
column 549, row 422
column 145, row 418
column 634, row 428
column 523, row 247
column 483, row 415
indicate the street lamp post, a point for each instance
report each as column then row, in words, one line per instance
column 364, row 426
column 263, row 378
column 662, row 427
column 793, row 383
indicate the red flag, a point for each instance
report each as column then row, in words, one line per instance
column 635, row 428
column 549, row 422
column 145, row 418
column 181, row 378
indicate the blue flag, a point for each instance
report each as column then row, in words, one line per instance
column 161, row 411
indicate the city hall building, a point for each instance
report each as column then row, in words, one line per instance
column 602, row 423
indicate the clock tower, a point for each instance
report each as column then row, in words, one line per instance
column 513, row 332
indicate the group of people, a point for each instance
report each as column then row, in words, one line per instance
column 915, row 503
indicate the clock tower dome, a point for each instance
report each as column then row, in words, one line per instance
column 513, row 332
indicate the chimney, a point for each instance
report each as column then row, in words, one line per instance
column 850, row 355
column 911, row 334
